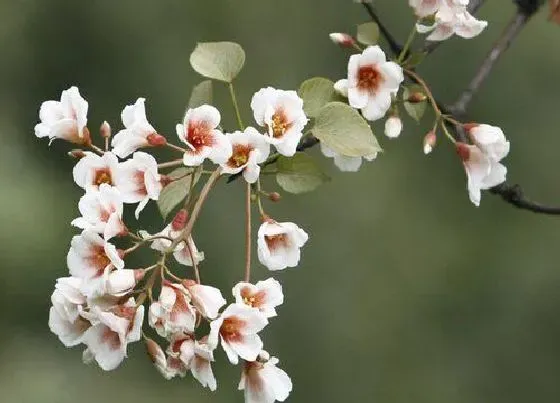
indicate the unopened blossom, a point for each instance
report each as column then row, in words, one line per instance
column 264, row 382
column 237, row 329
column 172, row 312
column 482, row 171
column 451, row 17
column 65, row 119
column 393, row 127
column 169, row 367
column 199, row 131
column 490, row 139
column 371, row 82
column 120, row 282
column 201, row 365
column 249, row 149
column 206, row 299
column 101, row 208
column 264, row 296
column 281, row 114
column 279, row 244
column 111, row 331
column 94, row 170
column 138, row 132
column 342, row 39
column 182, row 252
column 64, row 316
column 138, row 180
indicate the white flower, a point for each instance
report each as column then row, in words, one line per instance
column 371, row 82
column 250, row 148
column 279, row 244
column 65, row 119
column 94, row 170
column 424, row 8
column 172, row 313
column 199, row 132
column 343, row 162
column 91, row 259
column 101, row 210
column 111, row 331
column 393, row 127
column 264, row 296
column 138, row 180
column 64, row 316
column 120, row 282
column 490, row 139
column 264, row 382
column 281, row 113
column 201, row 367
column 182, row 251
column 206, row 299
column 168, row 366
column 237, row 329
column 138, row 131
column 482, row 171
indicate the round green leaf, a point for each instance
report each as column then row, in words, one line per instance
column 299, row 174
column 316, row 93
column 344, row 130
column 201, row 94
column 175, row 192
column 218, row 60
column 368, row 33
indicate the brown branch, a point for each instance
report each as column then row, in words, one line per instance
column 394, row 45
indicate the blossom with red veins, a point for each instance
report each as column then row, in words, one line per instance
column 482, row 171
column 138, row 180
column 344, row 162
column 101, row 210
column 168, row 366
column 91, row 259
column 281, row 114
column 264, row 296
column 264, row 382
column 206, row 299
column 279, row 244
column 64, row 316
column 65, row 119
column 182, row 252
column 371, row 83
column 199, row 132
column 201, row 364
column 490, row 139
column 111, row 331
column 237, row 329
column 172, row 312
column 250, row 149
column 138, row 132
column 94, row 170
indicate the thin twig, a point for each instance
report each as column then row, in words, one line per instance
column 513, row 194
column 193, row 259
column 248, row 234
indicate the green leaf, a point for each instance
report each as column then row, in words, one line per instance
column 345, row 131
column 414, row 109
column 316, row 93
column 218, row 60
column 201, row 94
column 368, row 33
column 175, row 192
column 299, row 174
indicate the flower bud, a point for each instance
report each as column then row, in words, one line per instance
column 429, row 142
column 274, row 196
column 77, row 153
column 180, row 220
column 416, row 97
column 105, row 130
column 463, row 151
column 393, row 127
column 342, row 39
column 156, row 140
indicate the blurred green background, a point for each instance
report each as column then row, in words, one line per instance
column 406, row 292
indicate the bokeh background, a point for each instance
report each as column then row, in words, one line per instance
column 406, row 292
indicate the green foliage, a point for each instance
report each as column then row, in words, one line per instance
column 316, row 93
column 218, row 60
column 368, row 33
column 299, row 174
column 414, row 109
column 175, row 192
column 345, row 131
column 201, row 94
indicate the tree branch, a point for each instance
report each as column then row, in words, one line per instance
column 394, row 45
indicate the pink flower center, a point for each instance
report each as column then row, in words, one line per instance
column 199, row 135
column 140, row 183
column 254, row 300
column 240, row 155
column 369, row 78
column 277, row 241
column 111, row 338
column 102, row 175
column 231, row 328
column 99, row 259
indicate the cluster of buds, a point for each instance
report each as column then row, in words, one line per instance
column 101, row 303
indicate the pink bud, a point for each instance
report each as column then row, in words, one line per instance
column 274, row 196
column 156, row 140
column 105, row 130
column 429, row 142
column 342, row 39
column 180, row 220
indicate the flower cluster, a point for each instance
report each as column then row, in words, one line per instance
column 101, row 303
column 445, row 18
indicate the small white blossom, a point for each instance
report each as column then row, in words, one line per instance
column 490, row 139
column 281, row 113
column 138, row 132
column 138, row 180
column 206, row 299
column 182, row 252
column 250, row 148
column 65, row 119
column 371, row 82
column 201, row 365
column 265, row 382
column 199, row 132
column 101, row 210
column 264, row 296
column 393, row 127
column 279, row 244
column 94, row 170
column 172, row 313
column 237, row 329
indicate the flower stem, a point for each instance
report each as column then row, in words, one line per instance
column 259, row 201
column 235, row 106
column 174, row 147
column 170, row 164
column 404, row 51
column 248, row 233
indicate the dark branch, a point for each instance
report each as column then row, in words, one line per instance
column 513, row 194
column 394, row 45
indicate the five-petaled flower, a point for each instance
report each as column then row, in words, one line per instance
column 249, row 148
column 264, row 296
column 264, row 382
column 94, row 170
column 173, row 312
column 279, row 244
